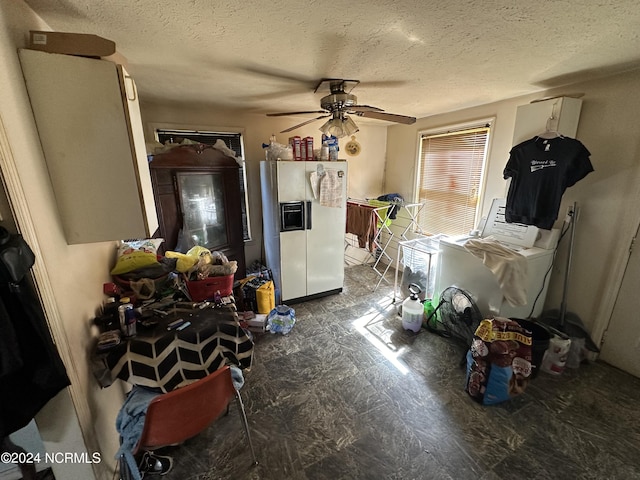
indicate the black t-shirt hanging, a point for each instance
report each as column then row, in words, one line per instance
column 541, row 170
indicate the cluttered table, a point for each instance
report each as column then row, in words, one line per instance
column 168, row 321
column 176, row 349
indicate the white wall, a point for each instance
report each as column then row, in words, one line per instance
column 69, row 278
column 607, row 198
column 366, row 171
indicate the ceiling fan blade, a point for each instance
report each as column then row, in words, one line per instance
column 346, row 84
column 364, row 108
column 282, row 114
column 304, row 123
column 349, row 85
column 381, row 84
column 390, row 117
column 273, row 95
column 279, row 74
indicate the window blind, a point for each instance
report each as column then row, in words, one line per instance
column 450, row 176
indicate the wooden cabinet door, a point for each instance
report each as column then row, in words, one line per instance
column 169, row 220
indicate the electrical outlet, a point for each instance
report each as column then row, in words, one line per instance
column 569, row 210
column 567, row 218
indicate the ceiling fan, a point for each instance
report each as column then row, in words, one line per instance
column 338, row 105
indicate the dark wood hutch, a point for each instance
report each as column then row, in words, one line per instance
column 197, row 189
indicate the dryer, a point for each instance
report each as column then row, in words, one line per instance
column 459, row 267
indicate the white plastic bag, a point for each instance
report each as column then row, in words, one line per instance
column 278, row 151
column 555, row 358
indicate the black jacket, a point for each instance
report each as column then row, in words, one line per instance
column 31, row 371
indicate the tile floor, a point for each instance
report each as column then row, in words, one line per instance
column 348, row 394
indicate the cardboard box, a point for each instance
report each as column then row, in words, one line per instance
column 258, row 324
column 82, row 44
column 252, row 321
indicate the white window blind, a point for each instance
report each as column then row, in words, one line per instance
column 450, row 176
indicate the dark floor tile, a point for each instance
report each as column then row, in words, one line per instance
column 349, row 394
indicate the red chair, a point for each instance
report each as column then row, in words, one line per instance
column 176, row 416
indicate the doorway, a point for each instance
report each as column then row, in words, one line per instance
column 621, row 341
column 28, row 437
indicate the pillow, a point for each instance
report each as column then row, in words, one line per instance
column 136, row 254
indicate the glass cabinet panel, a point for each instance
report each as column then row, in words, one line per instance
column 202, row 204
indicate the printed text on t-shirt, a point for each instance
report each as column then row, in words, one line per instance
column 540, row 164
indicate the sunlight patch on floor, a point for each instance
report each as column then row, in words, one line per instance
column 371, row 326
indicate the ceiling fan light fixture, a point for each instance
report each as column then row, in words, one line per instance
column 337, row 104
column 325, row 126
column 339, row 127
column 350, row 126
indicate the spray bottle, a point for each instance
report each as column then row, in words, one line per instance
column 412, row 310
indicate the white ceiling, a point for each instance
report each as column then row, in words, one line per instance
column 417, row 58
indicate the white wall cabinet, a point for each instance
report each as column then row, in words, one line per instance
column 560, row 114
column 88, row 119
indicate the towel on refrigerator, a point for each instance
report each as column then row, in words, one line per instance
column 509, row 267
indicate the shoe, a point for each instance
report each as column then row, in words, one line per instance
column 152, row 464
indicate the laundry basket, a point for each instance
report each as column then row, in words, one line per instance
column 419, row 257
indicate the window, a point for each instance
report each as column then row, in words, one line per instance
column 450, row 178
column 234, row 142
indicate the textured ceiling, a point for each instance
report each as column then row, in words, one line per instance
column 417, row 58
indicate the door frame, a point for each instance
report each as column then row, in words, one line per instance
column 629, row 251
column 628, row 231
column 44, row 291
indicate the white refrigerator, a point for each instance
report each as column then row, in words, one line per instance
column 304, row 239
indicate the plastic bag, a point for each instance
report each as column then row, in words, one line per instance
column 555, row 358
column 278, row 151
column 185, row 242
column 499, row 361
column 576, row 355
column 265, row 297
column 281, row 319
column 145, row 288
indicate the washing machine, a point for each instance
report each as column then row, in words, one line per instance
column 461, row 268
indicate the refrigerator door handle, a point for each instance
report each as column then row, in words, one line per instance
column 308, row 216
